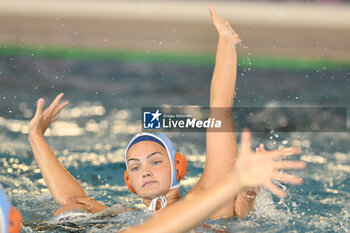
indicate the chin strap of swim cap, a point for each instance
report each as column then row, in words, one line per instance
column 153, row 205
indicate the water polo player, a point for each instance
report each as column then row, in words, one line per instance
column 152, row 163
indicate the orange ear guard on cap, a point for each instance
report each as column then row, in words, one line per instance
column 127, row 181
column 180, row 167
column 15, row 221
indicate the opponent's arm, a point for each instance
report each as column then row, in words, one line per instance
column 192, row 210
column 62, row 185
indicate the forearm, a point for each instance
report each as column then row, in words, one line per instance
column 245, row 203
column 221, row 144
column 224, row 77
column 60, row 182
column 194, row 209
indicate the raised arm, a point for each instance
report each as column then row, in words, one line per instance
column 62, row 185
column 251, row 170
column 221, row 147
column 223, row 82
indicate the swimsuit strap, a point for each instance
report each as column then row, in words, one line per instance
column 163, row 202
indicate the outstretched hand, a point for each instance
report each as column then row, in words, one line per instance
column 261, row 168
column 42, row 119
column 223, row 27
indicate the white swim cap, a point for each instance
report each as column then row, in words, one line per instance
column 165, row 142
column 4, row 211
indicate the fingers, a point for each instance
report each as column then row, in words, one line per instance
column 260, row 149
column 83, row 200
column 286, row 178
column 290, row 165
column 59, row 108
column 213, row 13
column 274, row 189
column 54, row 103
column 40, row 106
column 285, row 152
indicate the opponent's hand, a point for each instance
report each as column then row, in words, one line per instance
column 254, row 169
column 260, row 149
column 223, row 27
column 93, row 205
column 42, row 119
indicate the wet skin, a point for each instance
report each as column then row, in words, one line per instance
column 149, row 169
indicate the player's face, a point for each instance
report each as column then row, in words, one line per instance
column 149, row 169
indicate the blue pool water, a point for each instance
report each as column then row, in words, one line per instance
column 104, row 112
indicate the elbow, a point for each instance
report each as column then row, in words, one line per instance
column 242, row 213
column 244, row 207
